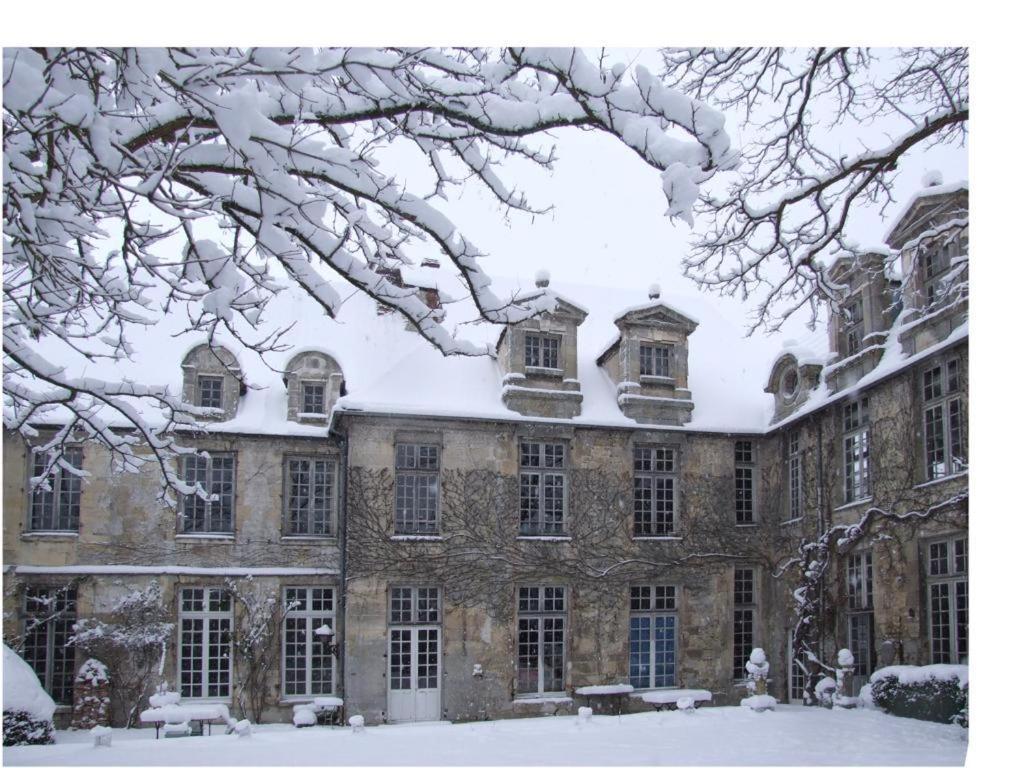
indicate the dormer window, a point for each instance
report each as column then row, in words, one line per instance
column 542, row 351
column 211, row 391
column 655, row 360
column 313, row 397
column 935, row 262
column 853, row 330
column 790, row 383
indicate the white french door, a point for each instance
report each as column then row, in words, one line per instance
column 414, row 674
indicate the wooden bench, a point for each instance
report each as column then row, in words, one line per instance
column 204, row 714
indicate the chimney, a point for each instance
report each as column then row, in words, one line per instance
column 543, row 278
column 430, row 263
column 654, row 292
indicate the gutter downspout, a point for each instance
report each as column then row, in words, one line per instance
column 342, row 441
column 821, row 532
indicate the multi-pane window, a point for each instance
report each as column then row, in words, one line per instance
column 415, row 605
column 414, row 655
column 652, row 636
column 313, row 397
column 310, row 495
column 797, row 670
column 935, row 262
column 216, row 475
column 417, row 479
column 542, row 488
column 947, row 600
column 308, row 665
column 211, row 391
column 56, row 508
column 654, row 491
column 945, row 430
column 542, row 350
column 860, row 614
column 655, row 360
column 853, row 326
column 743, row 452
column 49, row 617
column 743, row 608
column 855, row 451
column 541, row 640
column 794, row 473
column 204, row 658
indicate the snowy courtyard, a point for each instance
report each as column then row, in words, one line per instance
column 791, row 735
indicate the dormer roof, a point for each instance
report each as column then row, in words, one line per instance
column 924, row 205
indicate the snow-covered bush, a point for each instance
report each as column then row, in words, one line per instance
column 132, row 644
column 28, row 709
column 936, row 692
column 825, row 691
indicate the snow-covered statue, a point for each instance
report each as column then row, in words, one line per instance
column 757, row 682
column 843, row 696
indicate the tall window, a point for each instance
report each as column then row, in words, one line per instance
column 211, row 391
column 794, row 473
column 855, row 451
column 654, row 491
column 204, row 663
column 743, row 452
column 935, row 262
column 947, row 600
column 414, row 606
column 310, row 495
column 797, row 671
column 216, row 475
column 313, row 397
column 308, row 666
column 860, row 614
column 541, row 647
column 542, row 488
column 57, row 509
column 742, row 620
column 945, row 433
column 652, row 636
column 655, row 360
column 542, row 350
column 417, row 479
column 48, row 619
column 853, row 326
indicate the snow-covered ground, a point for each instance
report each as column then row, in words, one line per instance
column 791, row 735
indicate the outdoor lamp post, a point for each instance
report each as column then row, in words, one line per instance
column 326, row 636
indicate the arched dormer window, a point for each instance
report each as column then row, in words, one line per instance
column 212, row 378
column 314, row 381
column 793, row 375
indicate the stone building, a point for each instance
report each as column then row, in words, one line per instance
column 618, row 496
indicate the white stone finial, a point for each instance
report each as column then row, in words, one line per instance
column 542, row 278
column 654, row 292
column 932, row 178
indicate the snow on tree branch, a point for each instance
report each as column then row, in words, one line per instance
column 224, row 175
column 788, row 206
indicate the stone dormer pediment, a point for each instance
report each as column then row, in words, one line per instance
column 929, row 205
column 794, row 374
column 658, row 315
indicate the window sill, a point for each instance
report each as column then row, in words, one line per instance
column 555, row 373
column 940, row 480
column 291, row 702
column 855, row 503
column 300, row 538
column 541, row 698
column 206, row 536
column 416, row 537
column 542, row 537
column 748, row 525
column 657, row 538
column 657, row 380
column 312, row 416
column 29, row 535
column 791, row 521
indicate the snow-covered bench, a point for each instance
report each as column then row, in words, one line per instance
column 617, row 690
column 179, row 714
column 667, row 697
column 325, row 709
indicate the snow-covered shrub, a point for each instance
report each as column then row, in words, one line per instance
column 937, row 692
column 825, row 691
column 28, row 709
column 132, row 644
column 357, row 722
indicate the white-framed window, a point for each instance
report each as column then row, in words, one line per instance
column 216, row 474
column 794, row 475
column 542, row 350
column 652, row 636
column 210, row 391
column 935, row 262
column 310, row 495
column 417, row 480
column 57, row 507
column 654, row 490
column 205, row 624
column 744, row 469
column 860, row 614
column 945, row 427
column 415, row 605
column 655, row 360
column 856, row 476
column 314, row 397
column 853, row 325
column 542, row 488
column 743, row 613
column 797, row 670
column 414, row 667
column 947, row 600
column 308, row 665
column 541, row 640
column 49, row 615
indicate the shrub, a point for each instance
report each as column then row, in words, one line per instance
column 938, row 693
column 21, row 728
